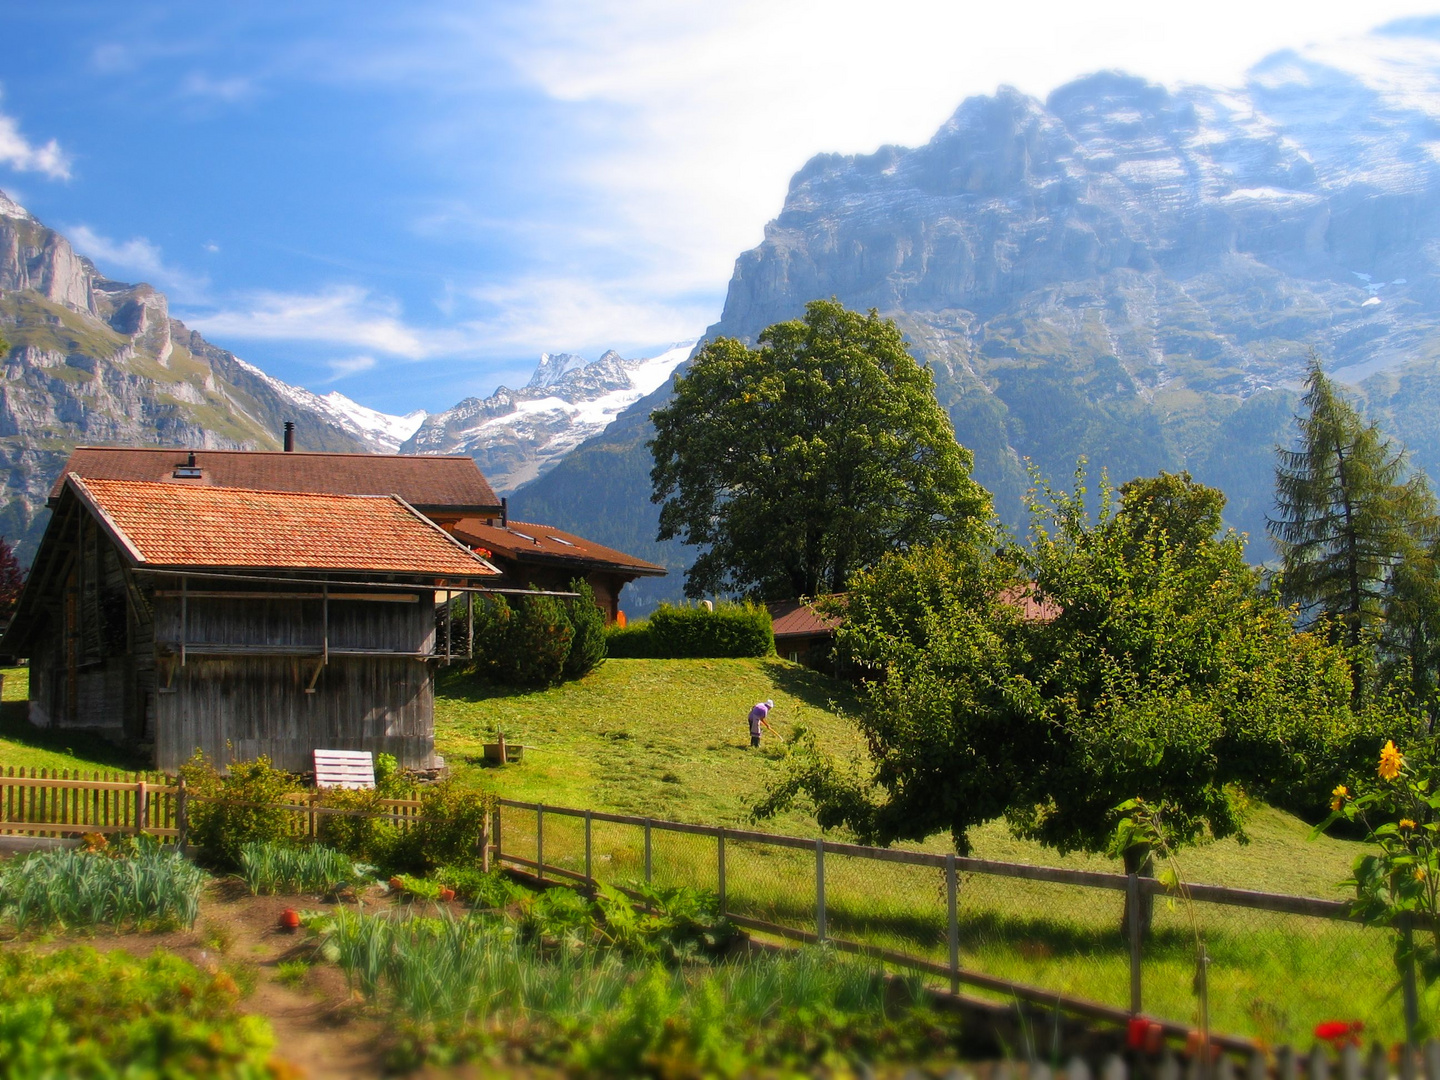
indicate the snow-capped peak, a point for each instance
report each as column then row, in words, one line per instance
column 11, row 209
column 553, row 367
column 376, row 425
column 382, row 431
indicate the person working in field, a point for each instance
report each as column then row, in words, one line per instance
column 757, row 717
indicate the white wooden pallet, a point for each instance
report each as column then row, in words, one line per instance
column 344, row 769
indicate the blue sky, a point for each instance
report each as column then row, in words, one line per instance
column 409, row 202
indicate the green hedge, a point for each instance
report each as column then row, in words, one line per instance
column 693, row 631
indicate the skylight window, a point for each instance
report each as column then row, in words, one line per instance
column 558, row 540
column 524, row 536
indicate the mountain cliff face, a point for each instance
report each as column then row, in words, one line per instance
column 99, row 361
column 518, row 435
column 1123, row 271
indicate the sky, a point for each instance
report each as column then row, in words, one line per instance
column 409, row 202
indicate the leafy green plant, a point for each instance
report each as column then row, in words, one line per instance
column 239, row 807
column 153, row 888
column 1397, row 883
column 78, row 1012
column 295, row 868
column 415, row 887
column 670, row 924
column 486, row 889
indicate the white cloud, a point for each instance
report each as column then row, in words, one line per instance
column 350, row 365
column 341, row 315
column 20, row 154
column 230, row 90
column 573, row 314
column 136, row 258
column 705, row 111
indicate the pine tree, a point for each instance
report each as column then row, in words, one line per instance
column 1348, row 512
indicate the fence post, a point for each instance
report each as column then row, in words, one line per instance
column 588, row 876
column 1407, row 979
column 954, row 920
column 820, row 889
column 647, row 851
column 485, row 843
column 140, row 804
column 540, row 840
column 496, row 833
column 182, row 817
column 1132, row 895
column 720, row 865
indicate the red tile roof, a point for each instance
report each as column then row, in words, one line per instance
column 791, row 618
column 174, row 525
column 424, row 481
column 526, row 542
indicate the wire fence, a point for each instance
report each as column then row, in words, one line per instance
column 1274, row 966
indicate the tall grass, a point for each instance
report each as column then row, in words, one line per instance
column 292, row 868
column 154, row 886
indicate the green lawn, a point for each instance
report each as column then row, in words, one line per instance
column 22, row 745
column 667, row 739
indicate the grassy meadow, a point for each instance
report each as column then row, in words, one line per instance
column 667, row 739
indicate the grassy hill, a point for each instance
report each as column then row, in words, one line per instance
column 668, row 739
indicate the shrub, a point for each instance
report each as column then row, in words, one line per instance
column 538, row 644
column 689, row 631
column 246, row 812
column 524, row 645
column 295, row 868
column 587, row 646
column 153, row 887
column 366, row 837
column 80, row 1013
column 451, row 821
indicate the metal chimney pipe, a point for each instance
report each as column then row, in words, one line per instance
column 504, row 513
column 289, row 436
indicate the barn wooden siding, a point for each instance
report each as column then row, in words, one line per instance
column 94, row 667
column 282, row 676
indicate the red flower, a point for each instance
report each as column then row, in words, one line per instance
column 1339, row 1032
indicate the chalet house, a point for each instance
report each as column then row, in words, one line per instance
column 802, row 634
column 550, row 558
column 236, row 621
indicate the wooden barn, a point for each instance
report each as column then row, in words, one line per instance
column 181, row 612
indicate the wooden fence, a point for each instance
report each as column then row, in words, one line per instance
column 70, row 803
column 65, row 802
column 542, row 866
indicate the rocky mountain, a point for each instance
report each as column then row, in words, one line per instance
column 1123, row 271
column 97, row 361
column 519, row 435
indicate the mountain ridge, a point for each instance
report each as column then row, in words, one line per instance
column 1122, row 271
column 93, row 360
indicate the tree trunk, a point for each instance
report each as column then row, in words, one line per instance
column 1139, row 859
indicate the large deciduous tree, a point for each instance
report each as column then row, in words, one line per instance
column 1348, row 513
column 1153, row 666
column 794, row 464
